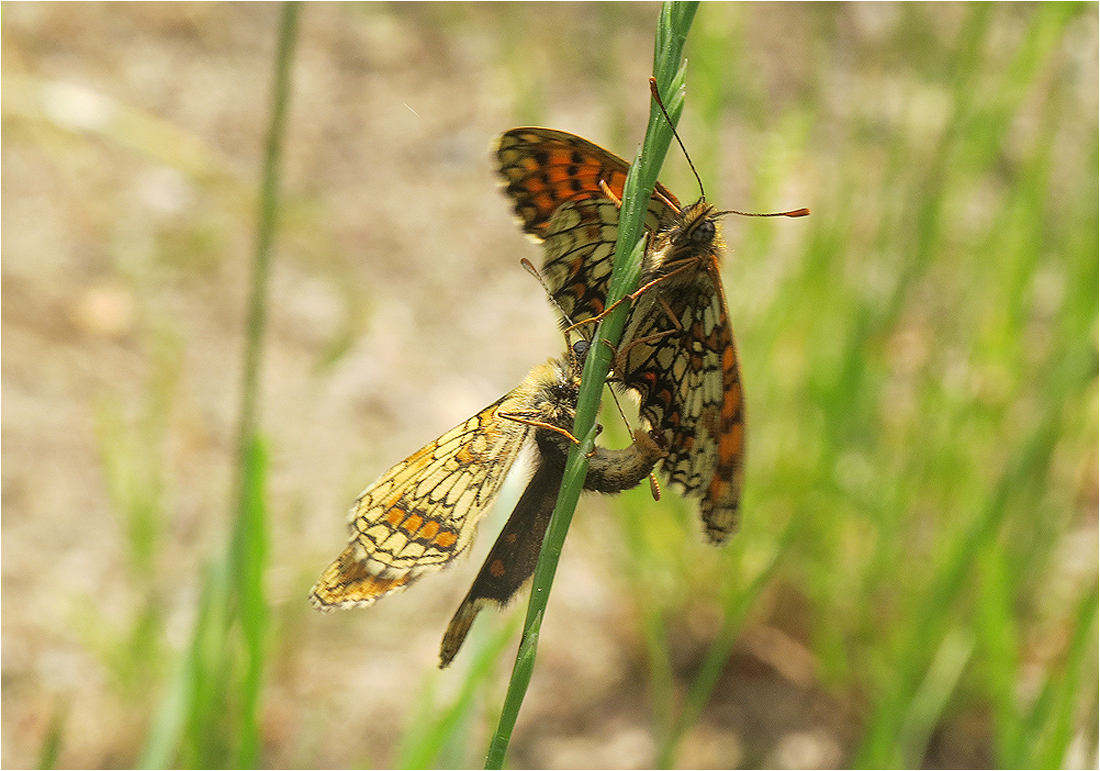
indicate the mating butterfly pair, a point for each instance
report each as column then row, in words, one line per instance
column 423, row 512
column 678, row 354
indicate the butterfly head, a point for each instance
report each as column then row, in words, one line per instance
column 698, row 226
column 691, row 237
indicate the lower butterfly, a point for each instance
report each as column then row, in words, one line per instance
column 423, row 513
column 677, row 352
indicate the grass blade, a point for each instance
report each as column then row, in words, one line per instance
column 672, row 28
column 211, row 716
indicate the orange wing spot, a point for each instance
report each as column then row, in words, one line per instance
column 557, row 175
column 412, row 524
column 718, row 488
column 731, row 443
column 728, row 358
column 732, row 405
column 446, row 539
column 534, row 186
column 560, row 156
column 395, row 516
column 347, row 581
column 374, row 586
column 428, row 532
column 615, row 181
column 547, row 198
column 496, row 567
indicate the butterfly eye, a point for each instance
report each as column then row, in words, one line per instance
column 703, row 233
column 580, row 349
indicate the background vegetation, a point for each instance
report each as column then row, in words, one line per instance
column 916, row 579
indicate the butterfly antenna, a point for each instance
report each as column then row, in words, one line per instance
column 654, row 486
column 660, row 103
column 794, row 213
column 530, row 268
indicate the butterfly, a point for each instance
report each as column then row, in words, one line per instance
column 423, row 513
column 678, row 351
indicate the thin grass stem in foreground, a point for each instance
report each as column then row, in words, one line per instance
column 211, row 715
column 672, row 29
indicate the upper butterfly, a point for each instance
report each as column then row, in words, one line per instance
column 677, row 349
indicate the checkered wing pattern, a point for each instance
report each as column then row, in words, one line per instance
column 423, row 512
column 679, row 353
column 553, row 179
column 678, row 350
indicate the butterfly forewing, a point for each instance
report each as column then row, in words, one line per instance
column 423, row 512
column 543, row 168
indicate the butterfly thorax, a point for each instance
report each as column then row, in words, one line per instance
column 548, row 396
column 557, row 403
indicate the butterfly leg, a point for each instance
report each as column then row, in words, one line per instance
column 606, row 190
column 685, row 265
column 550, row 427
column 539, row 424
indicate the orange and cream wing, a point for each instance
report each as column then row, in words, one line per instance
column 423, row 512
column 558, row 184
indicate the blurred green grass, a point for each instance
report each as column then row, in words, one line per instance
column 921, row 383
column 920, row 365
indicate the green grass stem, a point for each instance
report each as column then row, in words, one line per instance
column 672, row 29
column 211, row 717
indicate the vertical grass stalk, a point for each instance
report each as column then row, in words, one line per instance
column 672, row 29
column 211, row 716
